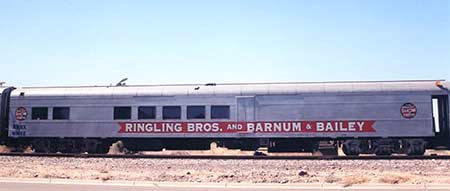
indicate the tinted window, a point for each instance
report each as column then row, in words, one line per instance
column 61, row 113
column 146, row 112
column 172, row 112
column 39, row 113
column 196, row 112
column 220, row 112
column 122, row 112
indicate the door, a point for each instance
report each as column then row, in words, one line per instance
column 440, row 117
column 245, row 108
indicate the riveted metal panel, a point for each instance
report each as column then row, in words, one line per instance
column 282, row 89
column 366, row 87
column 313, row 88
column 338, row 88
column 260, row 89
column 245, row 108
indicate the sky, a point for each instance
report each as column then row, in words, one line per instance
column 84, row 42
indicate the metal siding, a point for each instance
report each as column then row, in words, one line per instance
column 92, row 107
column 315, row 88
column 336, row 88
column 279, row 107
column 255, row 90
column 366, row 87
column 245, row 108
column 96, row 120
column 282, row 89
column 385, row 109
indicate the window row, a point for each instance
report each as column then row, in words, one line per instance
column 144, row 112
column 41, row 113
column 174, row 112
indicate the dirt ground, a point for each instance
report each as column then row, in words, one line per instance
column 346, row 172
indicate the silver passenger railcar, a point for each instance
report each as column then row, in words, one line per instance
column 364, row 117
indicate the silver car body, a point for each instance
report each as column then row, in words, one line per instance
column 332, row 110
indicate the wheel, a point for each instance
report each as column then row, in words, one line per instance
column 67, row 146
column 351, row 147
column 415, row 147
column 89, row 145
column 42, row 146
column 103, row 147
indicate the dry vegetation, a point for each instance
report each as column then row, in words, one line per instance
column 394, row 178
column 356, row 179
column 4, row 149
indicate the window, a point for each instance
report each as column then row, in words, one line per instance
column 61, row 113
column 146, row 112
column 122, row 112
column 220, row 112
column 171, row 112
column 39, row 113
column 435, row 105
column 196, row 112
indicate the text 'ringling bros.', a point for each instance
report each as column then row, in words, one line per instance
column 248, row 127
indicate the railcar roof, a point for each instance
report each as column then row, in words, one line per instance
column 239, row 88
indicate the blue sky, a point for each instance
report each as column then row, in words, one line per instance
column 157, row 42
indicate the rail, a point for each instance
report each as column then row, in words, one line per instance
column 227, row 157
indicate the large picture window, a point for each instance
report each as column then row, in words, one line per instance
column 61, row 113
column 122, row 112
column 220, row 112
column 146, row 112
column 172, row 112
column 196, row 112
column 39, row 113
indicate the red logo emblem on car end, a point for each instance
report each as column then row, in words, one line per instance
column 408, row 110
column 21, row 113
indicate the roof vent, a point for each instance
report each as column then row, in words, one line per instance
column 122, row 82
column 210, row 84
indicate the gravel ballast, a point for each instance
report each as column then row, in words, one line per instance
column 345, row 172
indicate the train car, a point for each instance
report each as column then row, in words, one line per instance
column 363, row 117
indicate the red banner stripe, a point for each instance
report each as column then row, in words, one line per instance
column 248, row 127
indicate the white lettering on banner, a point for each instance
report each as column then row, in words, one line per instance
column 267, row 127
column 320, row 126
column 129, row 127
column 190, row 127
column 250, row 127
column 339, row 126
column 274, row 127
column 150, row 127
column 247, row 127
column 351, row 126
column 234, row 127
column 297, row 126
column 203, row 127
column 361, row 125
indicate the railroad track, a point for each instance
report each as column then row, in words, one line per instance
column 225, row 157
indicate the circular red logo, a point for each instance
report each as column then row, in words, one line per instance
column 408, row 110
column 21, row 113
